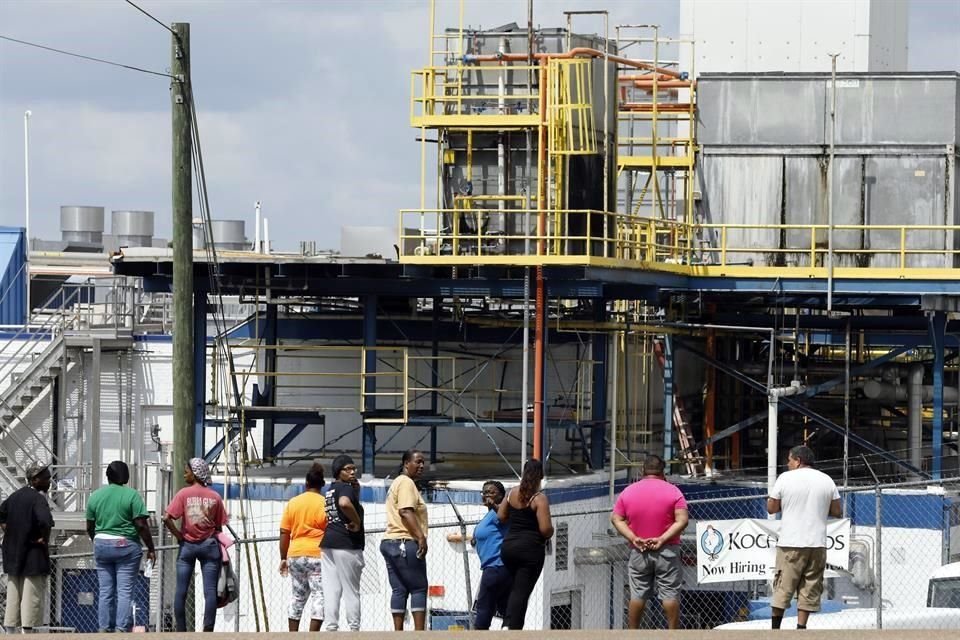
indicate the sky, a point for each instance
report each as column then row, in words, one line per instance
column 303, row 105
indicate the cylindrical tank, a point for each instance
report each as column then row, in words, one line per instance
column 81, row 224
column 228, row 235
column 132, row 228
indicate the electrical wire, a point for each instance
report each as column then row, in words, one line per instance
column 83, row 57
column 146, row 13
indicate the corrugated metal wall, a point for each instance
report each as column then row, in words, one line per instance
column 765, row 140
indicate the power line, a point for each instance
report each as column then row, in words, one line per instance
column 146, row 13
column 83, row 57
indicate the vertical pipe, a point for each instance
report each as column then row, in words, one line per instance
column 525, row 393
column 434, row 377
column 614, row 407
column 540, row 310
column 256, row 224
column 26, row 202
column 833, row 139
column 600, row 348
column 772, row 427
column 369, row 382
column 183, row 362
column 846, row 409
column 501, row 151
column 915, row 414
column 878, row 557
column 710, row 401
column 96, row 452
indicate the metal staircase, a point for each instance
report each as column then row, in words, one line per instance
column 76, row 317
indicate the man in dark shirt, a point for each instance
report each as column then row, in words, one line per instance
column 26, row 522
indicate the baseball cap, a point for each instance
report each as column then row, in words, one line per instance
column 35, row 470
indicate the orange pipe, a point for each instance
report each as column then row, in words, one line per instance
column 573, row 53
column 644, row 76
column 540, row 310
column 663, row 84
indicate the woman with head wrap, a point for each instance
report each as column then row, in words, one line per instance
column 117, row 522
column 202, row 514
column 342, row 560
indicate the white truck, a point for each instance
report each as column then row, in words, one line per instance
column 942, row 610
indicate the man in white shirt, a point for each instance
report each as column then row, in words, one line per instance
column 806, row 498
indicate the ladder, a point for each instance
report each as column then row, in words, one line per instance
column 692, row 461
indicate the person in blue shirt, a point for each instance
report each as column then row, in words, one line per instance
column 487, row 537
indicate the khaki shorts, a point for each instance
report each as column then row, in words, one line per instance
column 25, row 601
column 799, row 571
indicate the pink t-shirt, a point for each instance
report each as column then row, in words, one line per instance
column 648, row 506
column 200, row 510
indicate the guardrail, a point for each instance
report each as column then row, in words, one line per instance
column 499, row 235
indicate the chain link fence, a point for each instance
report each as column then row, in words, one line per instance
column 900, row 537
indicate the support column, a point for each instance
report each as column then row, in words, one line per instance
column 200, row 370
column 369, row 382
column 668, row 398
column 269, row 395
column 938, row 328
column 599, row 344
column 93, row 418
column 434, row 377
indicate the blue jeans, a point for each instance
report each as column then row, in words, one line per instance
column 407, row 574
column 208, row 553
column 118, row 562
column 492, row 596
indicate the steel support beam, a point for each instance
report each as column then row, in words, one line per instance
column 435, row 375
column 938, row 325
column 600, row 346
column 369, row 383
column 668, row 397
column 269, row 394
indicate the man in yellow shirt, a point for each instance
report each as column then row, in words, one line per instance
column 301, row 530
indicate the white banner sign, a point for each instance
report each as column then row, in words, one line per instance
column 729, row 550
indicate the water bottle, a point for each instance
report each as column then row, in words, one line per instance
column 148, row 569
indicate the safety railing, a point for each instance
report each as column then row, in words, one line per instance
column 510, row 236
column 441, row 95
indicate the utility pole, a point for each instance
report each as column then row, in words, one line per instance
column 183, row 377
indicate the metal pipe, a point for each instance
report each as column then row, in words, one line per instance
column 525, row 398
column 893, row 393
column 915, row 413
column 833, row 139
column 501, row 154
column 613, row 416
column 572, row 53
column 773, row 401
column 26, row 201
column 256, row 225
column 540, row 307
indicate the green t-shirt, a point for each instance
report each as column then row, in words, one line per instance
column 114, row 508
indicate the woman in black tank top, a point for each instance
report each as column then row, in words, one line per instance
column 528, row 513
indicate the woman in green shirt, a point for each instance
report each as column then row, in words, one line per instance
column 116, row 522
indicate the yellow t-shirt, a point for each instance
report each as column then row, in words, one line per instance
column 306, row 519
column 403, row 494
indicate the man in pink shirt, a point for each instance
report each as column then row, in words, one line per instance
column 651, row 514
